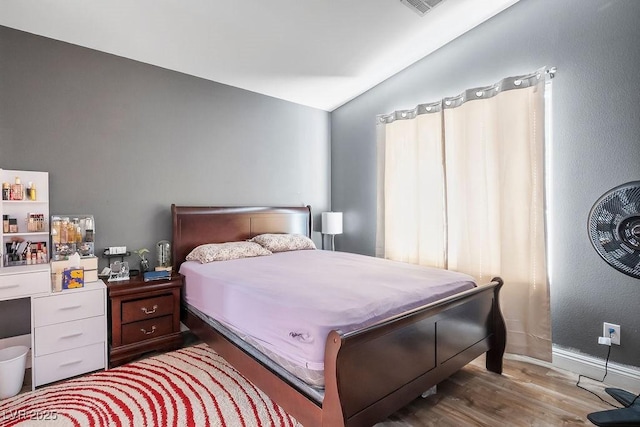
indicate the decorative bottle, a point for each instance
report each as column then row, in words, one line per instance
column 17, row 190
column 31, row 191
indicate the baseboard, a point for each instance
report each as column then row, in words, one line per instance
column 622, row 376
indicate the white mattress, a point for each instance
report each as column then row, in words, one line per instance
column 288, row 302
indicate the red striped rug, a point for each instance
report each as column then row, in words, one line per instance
column 192, row 386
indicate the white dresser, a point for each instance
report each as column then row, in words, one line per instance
column 69, row 333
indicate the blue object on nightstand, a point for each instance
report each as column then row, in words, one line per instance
column 156, row 275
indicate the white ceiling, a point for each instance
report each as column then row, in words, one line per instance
column 319, row 53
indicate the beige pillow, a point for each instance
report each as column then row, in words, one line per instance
column 226, row 251
column 284, row 242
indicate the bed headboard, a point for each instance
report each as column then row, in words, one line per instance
column 197, row 225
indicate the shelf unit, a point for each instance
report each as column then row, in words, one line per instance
column 21, row 279
column 20, row 211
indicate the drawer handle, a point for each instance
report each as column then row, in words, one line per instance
column 71, row 307
column 76, row 334
column 9, row 286
column 153, row 310
column 73, row 362
column 144, row 331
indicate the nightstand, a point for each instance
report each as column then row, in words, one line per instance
column 143, row 317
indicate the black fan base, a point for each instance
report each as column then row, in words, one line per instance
column 623, row 417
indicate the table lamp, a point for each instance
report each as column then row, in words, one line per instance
column 331, row 225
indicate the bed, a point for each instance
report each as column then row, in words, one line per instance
column 369, row 372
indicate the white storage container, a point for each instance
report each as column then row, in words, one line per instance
column 12, row 365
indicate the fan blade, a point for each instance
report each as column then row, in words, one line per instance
column 604, row 226
column 611, row 246
column 630, row 260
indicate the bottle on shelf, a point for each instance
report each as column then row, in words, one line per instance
column 31, row 191
column 56, row 224
column 88, row 235
column 35, row 222
column 17, row 190
column 71, row 232
column 64, row 231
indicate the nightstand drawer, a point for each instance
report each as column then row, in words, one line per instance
column 65, row 336
column 24, row 284
column 65, row 307
column 147, row 308
column 146, row 329
column 65, row 364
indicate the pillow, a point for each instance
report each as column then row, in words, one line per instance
column 226, row 251
column 284, row 242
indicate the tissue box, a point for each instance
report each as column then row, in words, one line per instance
column 72, row 278
column 90, row 265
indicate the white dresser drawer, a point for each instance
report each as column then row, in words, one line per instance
column 68, row 335
column 24, row 284
column 65, row 364
column 63, row 307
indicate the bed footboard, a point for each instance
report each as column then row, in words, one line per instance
column 373, row 372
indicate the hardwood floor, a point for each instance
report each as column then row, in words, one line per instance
column 526, row 394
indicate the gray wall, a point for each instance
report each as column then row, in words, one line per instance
column 596, row 143
column 124, row 140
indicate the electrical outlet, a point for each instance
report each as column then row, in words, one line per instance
column 615, row 335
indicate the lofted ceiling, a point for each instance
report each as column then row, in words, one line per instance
column 319, row 53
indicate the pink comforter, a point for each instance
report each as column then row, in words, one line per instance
column 290, row 301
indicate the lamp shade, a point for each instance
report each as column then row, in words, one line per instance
column 331, row 222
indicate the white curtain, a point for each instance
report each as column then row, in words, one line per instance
column 461, row 186
column 414, row 187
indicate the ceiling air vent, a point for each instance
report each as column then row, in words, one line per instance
column 421, row 7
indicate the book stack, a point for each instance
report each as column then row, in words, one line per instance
column 156, row 275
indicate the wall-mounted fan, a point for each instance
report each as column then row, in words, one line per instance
column 614, row 229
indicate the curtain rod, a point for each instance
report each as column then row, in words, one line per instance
column 508, row 83
column 551, row 71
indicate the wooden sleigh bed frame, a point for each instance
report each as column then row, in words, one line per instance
column 369, row 373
